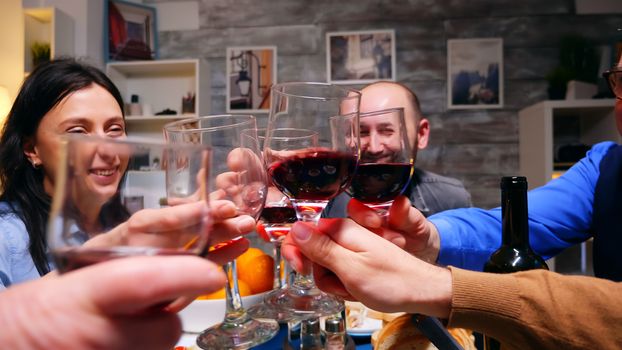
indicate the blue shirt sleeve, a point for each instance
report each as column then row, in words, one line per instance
column 560, row 215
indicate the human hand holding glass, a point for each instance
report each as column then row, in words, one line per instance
column 110, row 200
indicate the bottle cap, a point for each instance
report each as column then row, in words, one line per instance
column 310, row 326
column 335, row 325
column 514, row 182
column 134, row 99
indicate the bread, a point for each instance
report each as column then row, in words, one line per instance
column 357, row 313
column 402, row 334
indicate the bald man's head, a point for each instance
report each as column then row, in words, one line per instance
column 387, row 94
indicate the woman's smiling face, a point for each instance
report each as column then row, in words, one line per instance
column 89, row 111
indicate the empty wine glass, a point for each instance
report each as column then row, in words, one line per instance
column 103, row 183
column 386, row 163
column 311, row 175
column 237, row 175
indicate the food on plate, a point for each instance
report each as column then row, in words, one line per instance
column 357, row 314
column 402, row 334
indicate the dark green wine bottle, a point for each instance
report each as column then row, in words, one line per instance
column 515, row 253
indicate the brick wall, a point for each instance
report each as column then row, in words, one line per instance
column 476, row 146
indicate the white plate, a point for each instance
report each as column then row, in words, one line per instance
column 202, row 314
column 367, row 328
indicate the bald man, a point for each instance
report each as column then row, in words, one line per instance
column 430, row 193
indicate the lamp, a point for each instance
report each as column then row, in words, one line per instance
column 244, row 80
column 244, row 83
column 5, row 104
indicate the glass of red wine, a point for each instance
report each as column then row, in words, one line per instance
column 237, row 175
column 386, row 163
column 278, row 215
column 311, row 176
column 103, row 183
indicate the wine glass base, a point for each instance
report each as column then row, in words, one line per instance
column 304, row 304
column 268, row 311
column 243, row 335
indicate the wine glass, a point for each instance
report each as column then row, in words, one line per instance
column 278, row 214
column 103, row 182
column 237, row 175
column 386, row 163
column 311, row 176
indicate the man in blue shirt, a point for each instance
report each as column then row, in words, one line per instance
column 560, row 215
column 582, row 203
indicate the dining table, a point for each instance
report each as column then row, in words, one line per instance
column 360, row 341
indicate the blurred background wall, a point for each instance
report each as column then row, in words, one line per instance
column 476, row 146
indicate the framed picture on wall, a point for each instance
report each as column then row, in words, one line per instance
column 130, row 31
column 251, row 72
column 360, row 57
column 474, row 73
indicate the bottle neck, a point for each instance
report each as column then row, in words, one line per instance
column 515, row 221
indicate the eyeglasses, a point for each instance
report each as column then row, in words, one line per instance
column 614, row 78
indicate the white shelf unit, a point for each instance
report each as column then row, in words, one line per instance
column 161, row 84
column 47, row 25
column 596, row 122
column 536, row 132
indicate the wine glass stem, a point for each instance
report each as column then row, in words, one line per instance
column 279, row 276
column 234, row 307
column 307, row 213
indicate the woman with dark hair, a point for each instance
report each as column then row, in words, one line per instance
column 59, row 97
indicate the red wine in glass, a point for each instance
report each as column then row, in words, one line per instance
column 314, row 174
column 376, row 183
column 386, row 164
column 277, row 221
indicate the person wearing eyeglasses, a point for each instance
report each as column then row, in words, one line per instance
column 394, row 266
column 583, row 203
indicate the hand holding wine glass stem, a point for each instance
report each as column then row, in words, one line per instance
column 334, row 241
column 150, row 224
column 405, row 226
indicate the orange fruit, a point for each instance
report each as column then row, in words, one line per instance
column 257, row 272
column 248, row 255
column 220, row 294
